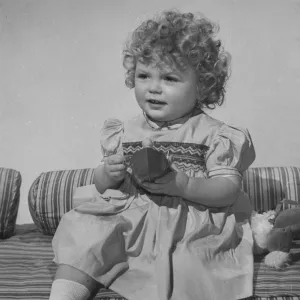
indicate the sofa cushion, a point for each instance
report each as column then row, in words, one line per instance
column 28, row 270
column 292, row 192
column 10, row 183
column 27, row 267
column 51, row 196
column 267, row 186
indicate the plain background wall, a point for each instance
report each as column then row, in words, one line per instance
column 61, row 76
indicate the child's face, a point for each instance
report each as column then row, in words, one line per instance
column 163, row 93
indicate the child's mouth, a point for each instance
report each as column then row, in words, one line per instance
column 152, row 101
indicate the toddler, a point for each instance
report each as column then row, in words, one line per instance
column 186, row 235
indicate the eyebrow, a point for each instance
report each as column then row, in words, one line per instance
column 141, row 70
column 171, row 73
column 168, row 73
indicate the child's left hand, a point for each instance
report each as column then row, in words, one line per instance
column 174, row 183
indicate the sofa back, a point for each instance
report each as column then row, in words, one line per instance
column 10, row 184
column 267, row 186
column 51, row 194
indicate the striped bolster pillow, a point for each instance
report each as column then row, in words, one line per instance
column 10, row 183
column 51, row 196
column 267, row 186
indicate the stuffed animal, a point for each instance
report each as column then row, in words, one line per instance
column 273, row 233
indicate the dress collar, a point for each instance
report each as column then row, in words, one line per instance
column 173, row 124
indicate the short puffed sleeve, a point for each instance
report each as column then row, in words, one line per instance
column 111, row 137
column 231, row 152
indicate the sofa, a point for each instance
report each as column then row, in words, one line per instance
column 26, row 266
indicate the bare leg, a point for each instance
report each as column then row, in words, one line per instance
column 73, row 274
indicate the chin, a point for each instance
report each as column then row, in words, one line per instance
column 157, row 116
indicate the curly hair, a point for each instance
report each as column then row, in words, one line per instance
column 181, row 40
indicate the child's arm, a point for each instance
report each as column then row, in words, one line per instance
column 110, row 175
column 213, row 192
column 230, row 154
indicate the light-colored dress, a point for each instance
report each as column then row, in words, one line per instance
column 154, row 247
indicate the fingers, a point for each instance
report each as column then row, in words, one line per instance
column 153, row 187
column 166, row 178
column 117, row 167
column 174, row 167
column 118, row 176
column 115, row 163
column 115, row 159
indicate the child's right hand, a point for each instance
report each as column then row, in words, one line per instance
column 114, row 167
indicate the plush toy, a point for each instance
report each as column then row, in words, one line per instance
column 273, row 233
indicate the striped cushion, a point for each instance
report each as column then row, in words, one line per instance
column 266, row 186
column 273, row 298
column 268, row 281
column 27, row 271
column 10, row 183
column 292, row 191
column 51, row 195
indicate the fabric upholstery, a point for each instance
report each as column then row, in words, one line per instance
column 267, row 186
column 27, row 270
column 10, row 183
column 51, row 195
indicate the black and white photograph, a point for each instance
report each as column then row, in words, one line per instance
column 149, row 150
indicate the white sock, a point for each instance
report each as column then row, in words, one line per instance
column 63, row 289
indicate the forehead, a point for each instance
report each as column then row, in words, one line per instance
column 161, row 67
column 154, row 65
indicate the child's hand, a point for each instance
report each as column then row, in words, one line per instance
column 114, row 167
column 173, row 183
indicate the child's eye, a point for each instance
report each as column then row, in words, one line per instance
column 170, row 78
column 142, row 76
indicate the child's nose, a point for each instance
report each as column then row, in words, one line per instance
column 155, row 87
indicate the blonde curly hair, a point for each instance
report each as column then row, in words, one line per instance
column 181, row 40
